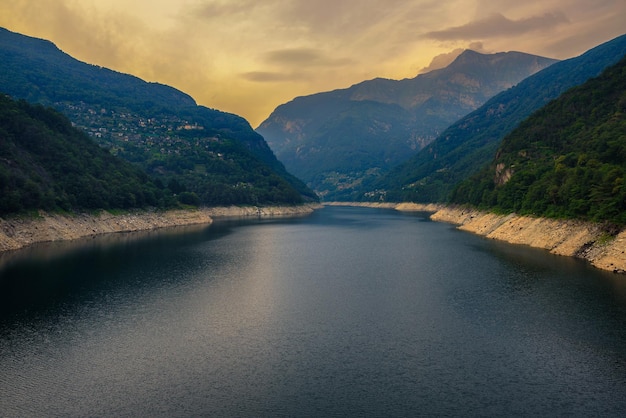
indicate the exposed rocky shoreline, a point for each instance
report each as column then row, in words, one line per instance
column 602, row 247
column 21, row 231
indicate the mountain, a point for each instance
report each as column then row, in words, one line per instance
column 568, row 159
column 214, row 154
column 45, row 163
column 337, row 140
column 470, row 143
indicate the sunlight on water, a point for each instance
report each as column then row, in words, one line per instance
column 346, row 312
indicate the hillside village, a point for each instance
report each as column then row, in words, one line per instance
column 160, row 134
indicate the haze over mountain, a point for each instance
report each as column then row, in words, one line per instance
column 336, row 141
column 248, row 57
column 566, row 160
column 213, row 154
column 470, row 143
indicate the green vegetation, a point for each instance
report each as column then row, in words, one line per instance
column 45, row 163
column 341, row 141
column 567, row 160
column 208, row 157
column 466, row 146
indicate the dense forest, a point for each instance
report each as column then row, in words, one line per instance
column 567, row 160
column 45, row 163
column 467, row 145
column 204, row 155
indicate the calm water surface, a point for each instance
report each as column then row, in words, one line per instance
column 347, row 312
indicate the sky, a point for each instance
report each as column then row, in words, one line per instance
column 249, row 56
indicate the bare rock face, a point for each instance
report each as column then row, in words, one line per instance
column 604, row 249
column 19, row 232
column 503, row 174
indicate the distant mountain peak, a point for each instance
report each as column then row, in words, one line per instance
column 431, row 174
column 334, row 140
column 469, row 53
column 470, row 57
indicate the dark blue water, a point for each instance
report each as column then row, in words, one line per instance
column 347, row 312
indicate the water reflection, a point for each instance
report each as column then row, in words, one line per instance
column 47, row 274
column 44, row 275
column 345, row 312
column 50, row 250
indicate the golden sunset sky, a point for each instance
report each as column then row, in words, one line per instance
column 249, row 56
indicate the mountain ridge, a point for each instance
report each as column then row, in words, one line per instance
column 214, row 154
column 469, row 61
column 567, row 160
column 469, row 143
column 336, row 140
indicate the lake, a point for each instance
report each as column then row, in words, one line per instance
column 346, row 312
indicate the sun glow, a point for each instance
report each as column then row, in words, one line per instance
column 247, row 57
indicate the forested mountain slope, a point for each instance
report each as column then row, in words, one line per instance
column 338, row 140
column 567, row 160
column 45, row 163
column 471, row 142
column 213, row 154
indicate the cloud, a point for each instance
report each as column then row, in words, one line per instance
column 442, row 60
column 294, row 56
column 445, row 59
column 293, row 65
column 248, row 56
column 218, row 9
column 98, row 41
column 478, row 47
column 268, row 76
column 497, row 25
column 345, row 18
column 303, row 56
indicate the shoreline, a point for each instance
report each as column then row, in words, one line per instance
column 405, row 206
column 572, row 238
column 585, row 240
column 17, row 232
